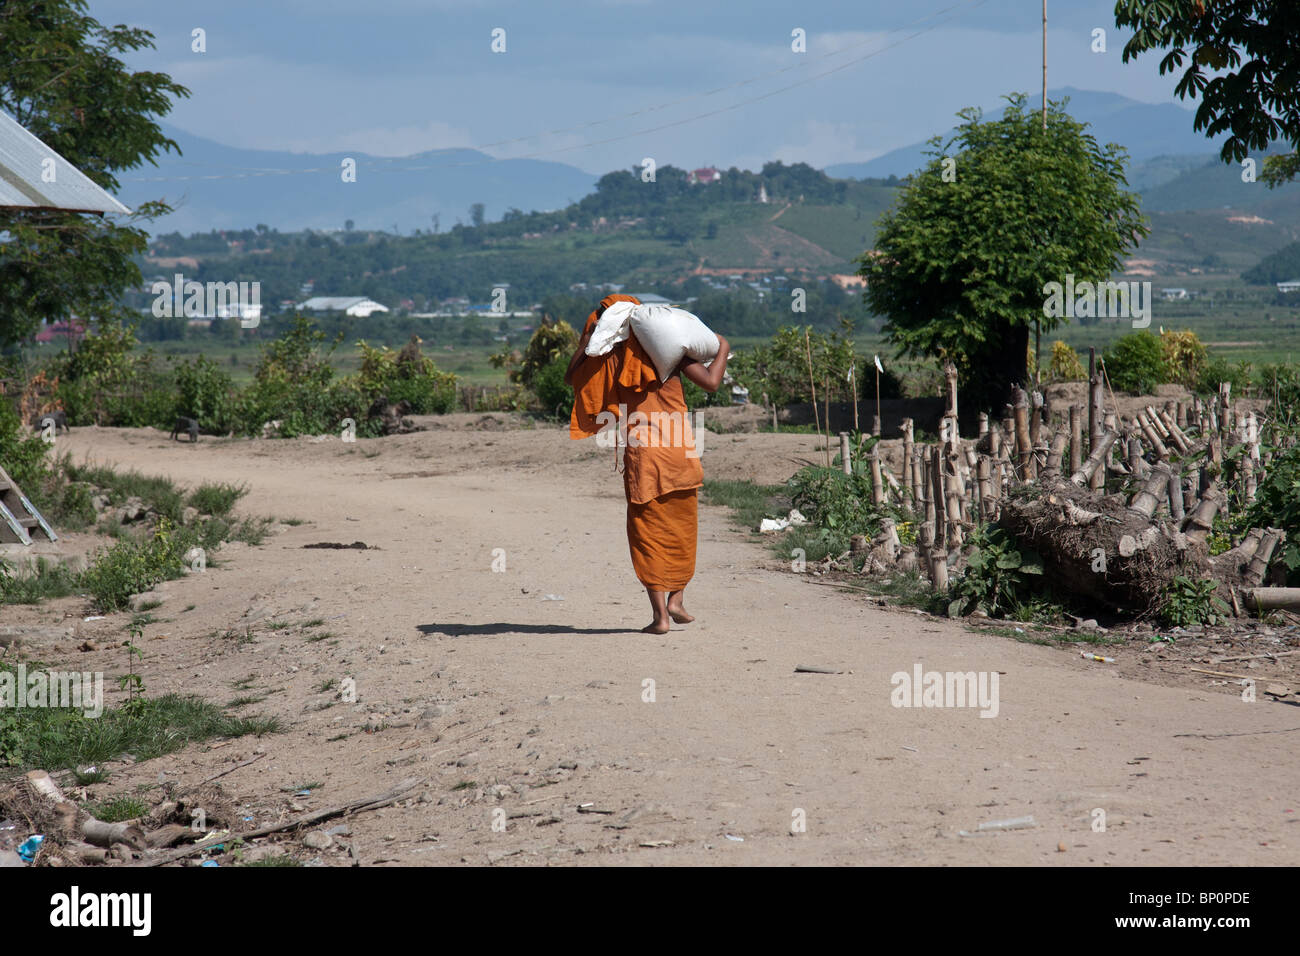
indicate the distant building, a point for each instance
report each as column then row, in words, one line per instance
column 71, row 330
column 356, row 306
column 762, row 193
column 1171, row 294
column 706, row 176
column 649, row 298
column 1291, row 286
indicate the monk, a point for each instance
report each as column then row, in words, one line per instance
column 661, row 465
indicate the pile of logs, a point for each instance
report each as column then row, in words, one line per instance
column 1039, row 477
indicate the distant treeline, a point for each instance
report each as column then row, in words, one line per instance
column 627, row 227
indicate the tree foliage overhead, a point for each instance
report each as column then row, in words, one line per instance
column 61, row 78
column 1002, row 209
column 1242, row 59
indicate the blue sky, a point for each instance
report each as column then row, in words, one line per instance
column 396, row 77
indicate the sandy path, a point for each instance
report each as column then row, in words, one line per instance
column 540, row 702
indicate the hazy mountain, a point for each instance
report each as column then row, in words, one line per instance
column 1146, row 131
column 212, row 186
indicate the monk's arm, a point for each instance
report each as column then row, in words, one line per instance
column 578, row 356
column 710, row 378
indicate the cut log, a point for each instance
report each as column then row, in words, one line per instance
column 1076, row 439
column 44, row 789
column 1152, row 437
column 1262, row 600
column 907, row 459
column 1176, row 436
column 1258, row 566
column 1101, row 448
column 988, row 502
column 1200, row 522
column 1175, row 496
column 1096, row 547
column 1137, row 465
column 1154, row 490
column 877, row 480
column 99, row 833
column 1024, row 445
column 1096, row 478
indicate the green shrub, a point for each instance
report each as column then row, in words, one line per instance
column 406, row 376
column 22, row 454
column 1000, row 579
column 1277, row 505
column 216, row 498
column 1192, row 602
column 551, row 343
column 837, row 506
column 553, row 395
column 132, row 565
column 1136, row 364
column 1218, row 370
column 203, row 392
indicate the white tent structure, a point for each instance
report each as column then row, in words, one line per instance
column 33, row 176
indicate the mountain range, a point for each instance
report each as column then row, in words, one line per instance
column 213, row 186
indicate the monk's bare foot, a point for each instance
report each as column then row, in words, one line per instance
column 679, row 615
column 655, row 627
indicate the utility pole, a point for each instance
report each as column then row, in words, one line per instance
column 1038, row 324
column 1044, row 66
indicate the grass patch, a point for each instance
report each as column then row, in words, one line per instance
column 748, row 501
column 292, row 522
column 464, row 785
column 46, row 580
column 159, row 494
column 216, row 499
column 323, row 635
column 116, row 811
column 57, row 739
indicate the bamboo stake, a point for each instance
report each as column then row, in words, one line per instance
column 1076, row 439
column 1096, row 458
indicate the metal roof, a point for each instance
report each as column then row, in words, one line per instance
column 25, row 166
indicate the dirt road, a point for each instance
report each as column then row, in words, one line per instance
column 476, row 679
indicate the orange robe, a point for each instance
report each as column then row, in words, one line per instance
column 661, row 465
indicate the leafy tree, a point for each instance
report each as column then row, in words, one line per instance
column 1241, row 59
column 61, row 78
column 1004, row 207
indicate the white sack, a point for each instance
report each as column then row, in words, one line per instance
column 667, row 334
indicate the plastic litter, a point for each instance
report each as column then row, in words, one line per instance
column 995, row 826
column 735, row 839
column 30, row 847
column 1087, row 656
column 552, row 597
column 209, row 863
column 793, row 520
